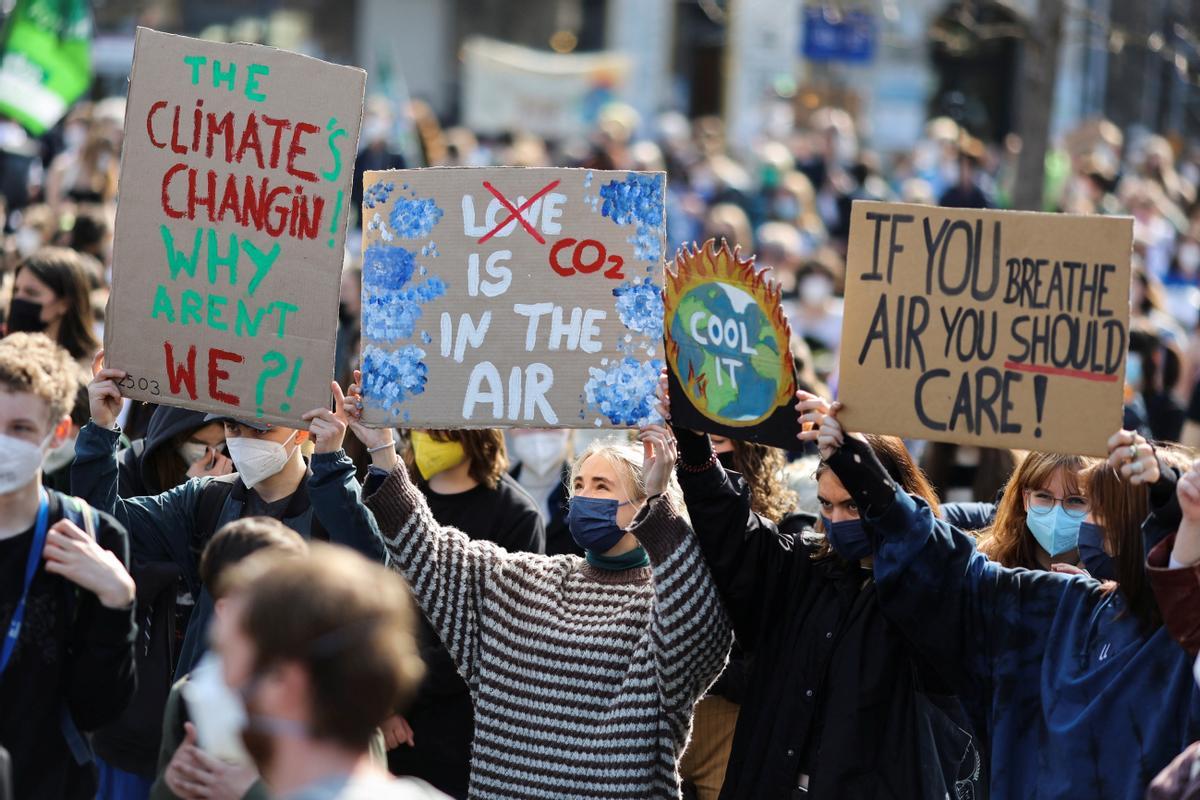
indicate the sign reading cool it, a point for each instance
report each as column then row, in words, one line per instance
column 510, row 297
column 731, row 371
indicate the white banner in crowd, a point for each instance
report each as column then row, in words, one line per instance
column 507, row 87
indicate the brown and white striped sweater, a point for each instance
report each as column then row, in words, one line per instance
column 583, row 680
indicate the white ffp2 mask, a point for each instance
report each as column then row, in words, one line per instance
column 22, row 459
column 256, row 459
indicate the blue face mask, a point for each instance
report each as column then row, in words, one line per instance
column 847, row 538
column 1054, row 529
column 1091, row 553
column 593, row 523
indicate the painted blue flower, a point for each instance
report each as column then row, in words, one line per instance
column 392, row 376
column 414, row 218
column 624, row 392
column 386, row 267
column 640, row 306
column 637, row 201
column 390, row 314
column 378, row 194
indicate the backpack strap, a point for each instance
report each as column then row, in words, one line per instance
column 87, row 518
column 209, row 506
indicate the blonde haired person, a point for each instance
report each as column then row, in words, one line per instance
column 66, row 597
column 583, row 671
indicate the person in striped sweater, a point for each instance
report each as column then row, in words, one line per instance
column 583, row 671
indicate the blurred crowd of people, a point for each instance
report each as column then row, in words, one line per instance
column 684, row 616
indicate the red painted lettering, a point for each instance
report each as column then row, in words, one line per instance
column 280, row 125
column 297, row 149
column 176, row 145
column 588, row 266
column 154, row 109
column 250, row 141
column 207, row 200
column 223, row 128
column 181, row 375
column 554, row 265
column 166, row 191
column 216, row 374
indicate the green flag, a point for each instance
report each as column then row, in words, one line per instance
column 46, row 63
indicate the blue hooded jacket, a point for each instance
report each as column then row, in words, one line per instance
column 1074, row 700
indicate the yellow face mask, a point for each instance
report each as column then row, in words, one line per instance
column 433, row 456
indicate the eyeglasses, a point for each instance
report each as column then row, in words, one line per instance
column 1075, row 505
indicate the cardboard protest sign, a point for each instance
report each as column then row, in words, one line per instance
column 729, row 365
column 231, row 224
column 511, row 297
column 1003, row 329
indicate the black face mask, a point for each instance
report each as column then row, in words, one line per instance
column 729, row 462
column 25, row 315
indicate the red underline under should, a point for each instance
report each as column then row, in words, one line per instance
column 1066, row 373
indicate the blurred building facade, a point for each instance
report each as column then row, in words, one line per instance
column 894, row 63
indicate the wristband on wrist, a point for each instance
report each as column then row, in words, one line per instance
column 709, row 464
column 384, row 446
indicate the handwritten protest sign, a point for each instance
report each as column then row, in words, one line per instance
column 230, row 228
column 730, row 368
column 511, row 297
column 994, row 328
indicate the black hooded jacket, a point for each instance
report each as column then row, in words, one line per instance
column 131, row 742
column 135, row 477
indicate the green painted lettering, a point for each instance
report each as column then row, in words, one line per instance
column 190, row 303
column 215, row 259
column 216, row 307
column 244, row 325
column 176, row 260
column 262, row 263
column 252, row 73
column 283, row 309
column 227, row 76
column 163, row 305
column 195, row 62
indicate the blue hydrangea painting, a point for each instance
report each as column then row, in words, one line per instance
column 640, row 307
column 623, row 392
column 392, row 376
column 638, row 201
column 414, row 218
column 512, row 297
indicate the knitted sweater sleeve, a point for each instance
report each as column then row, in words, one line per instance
column 447, row 570
column 689, row 628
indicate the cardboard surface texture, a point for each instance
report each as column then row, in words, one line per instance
column 1002, row 329
column 511, row 297
column 730, row 368
column 235, row 185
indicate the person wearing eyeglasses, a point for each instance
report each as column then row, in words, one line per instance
column 1072, row 695
column 1040, row 514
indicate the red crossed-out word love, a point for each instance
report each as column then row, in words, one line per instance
column 516, row 211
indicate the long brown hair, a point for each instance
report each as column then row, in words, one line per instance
column 900, row 467
column 64, row 273
column 1119, row 508
column 762, row 469
column 1008, row 541
column 484, row 448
